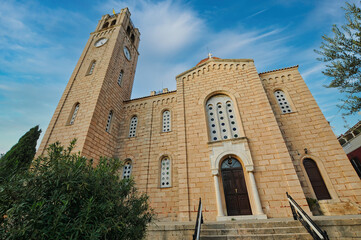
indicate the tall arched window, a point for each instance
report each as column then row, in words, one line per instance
column 113, row 22
column 127, row 169
column 165, row 173
column 109, row 121
column 221, row 118
column 120, row 78
column 133, row 126
column 75, row 111
column 314, row 175
column 166, row 121
column 282, row 101
column 91, row 67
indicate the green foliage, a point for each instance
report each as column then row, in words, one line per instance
column 314, row 206
column 343, row 54
column 19, row 157
column 63, row 196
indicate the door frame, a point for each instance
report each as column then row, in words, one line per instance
column 244, row 178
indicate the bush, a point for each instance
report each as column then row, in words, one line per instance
column 63, row 196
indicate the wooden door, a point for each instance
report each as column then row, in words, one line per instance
column 318, row 185
column 235, row 190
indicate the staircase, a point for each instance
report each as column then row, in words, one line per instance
column 260, row 229
column 337, row 227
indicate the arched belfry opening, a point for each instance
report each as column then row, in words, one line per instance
column 235, row 188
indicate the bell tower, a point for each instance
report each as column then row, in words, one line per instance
column 91, row 105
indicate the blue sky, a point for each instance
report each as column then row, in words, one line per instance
column 41, row 41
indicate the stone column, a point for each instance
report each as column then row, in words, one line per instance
column 218, row 193
column 258, row 209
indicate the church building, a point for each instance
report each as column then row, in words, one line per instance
column 236, row 138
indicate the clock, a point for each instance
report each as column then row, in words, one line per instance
column 127, row 53
column 101, row 42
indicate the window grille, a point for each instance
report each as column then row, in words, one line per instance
column 120, row 78
column 133, row 126
column 74, row 114
column 127, row 170
column 165, row 173
column 221, row 118
column 109, row 121
column 282, row 102
column 166, row 121
column 91, row 69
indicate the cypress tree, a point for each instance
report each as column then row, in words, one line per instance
column 20, row 155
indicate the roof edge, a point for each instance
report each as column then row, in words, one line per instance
column 214, row 60
column 127, row 101
column 280, row 69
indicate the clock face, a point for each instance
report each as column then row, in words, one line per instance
column 100, row 42
column 127, row 53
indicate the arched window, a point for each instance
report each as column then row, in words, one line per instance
column 314, row 175
column 132, row 38
column 128, row 30
column 75, row 111
column 127, row 169
column 109, row 121
column 166, row 121
column 113, row 22
column 91, row 67
column 120, row 78
column 106, row 25
column 133, row 126
column 282, row 102
column 221, row 118
column 165, row 173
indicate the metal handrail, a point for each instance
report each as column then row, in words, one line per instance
column 300, row 215
column 199, row 221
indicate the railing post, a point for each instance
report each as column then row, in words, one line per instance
column 294, row 214
column 300, row 215
column 199, row 221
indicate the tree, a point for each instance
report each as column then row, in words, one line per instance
column 63, row 196
column 19, row 157
column 343, row 54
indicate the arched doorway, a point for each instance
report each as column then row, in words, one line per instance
column 234, row 186
column 318, row 185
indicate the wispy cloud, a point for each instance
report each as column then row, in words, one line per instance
column 257, row 13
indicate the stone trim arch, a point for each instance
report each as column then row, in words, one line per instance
column 232, row 95
column 133, row 132
column 160, row 159
column 161, row 119
column 324, row 175
column 241, row 152
column 72, row 113
column 289, row 99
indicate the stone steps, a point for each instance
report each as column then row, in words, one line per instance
column 300, row 236
column 337, row 227
column 285, row 229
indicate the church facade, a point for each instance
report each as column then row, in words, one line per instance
column 235, row 138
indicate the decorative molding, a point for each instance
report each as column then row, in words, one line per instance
column 212, row 65
column 277, row 79
column 239, row 150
